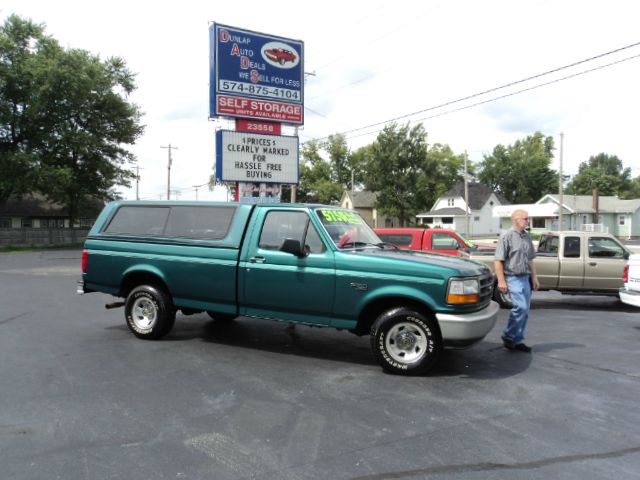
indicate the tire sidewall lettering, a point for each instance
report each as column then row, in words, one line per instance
column 381, row 334
column 156, row 305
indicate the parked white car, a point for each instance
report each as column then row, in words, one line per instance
column 630, row 293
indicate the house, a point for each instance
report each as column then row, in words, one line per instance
column 451, row 211
column 364, row 203
column 621, row 218
column 34, row 220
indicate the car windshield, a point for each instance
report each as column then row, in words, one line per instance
column 347, row 229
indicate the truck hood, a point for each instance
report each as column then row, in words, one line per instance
column 412, row 262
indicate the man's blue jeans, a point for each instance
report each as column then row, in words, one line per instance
column 520, row 291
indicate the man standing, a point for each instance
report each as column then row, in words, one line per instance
column 517, row 275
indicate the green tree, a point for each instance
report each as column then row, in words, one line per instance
column 605, row 173
column 78, row 113
column 521, row 172
column 24, row 53
column 407, row 174
column 318, row 177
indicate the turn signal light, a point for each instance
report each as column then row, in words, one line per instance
column 469, row 298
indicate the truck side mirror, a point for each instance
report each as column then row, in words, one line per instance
column 289, row 245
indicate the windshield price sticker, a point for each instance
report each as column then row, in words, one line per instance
column 341, row 216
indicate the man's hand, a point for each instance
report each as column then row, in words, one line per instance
column 502, row 286
column 535, row 283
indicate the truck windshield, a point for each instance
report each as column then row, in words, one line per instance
column 347, row 229
column 468, row 242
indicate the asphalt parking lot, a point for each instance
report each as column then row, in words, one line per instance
column 82, row 398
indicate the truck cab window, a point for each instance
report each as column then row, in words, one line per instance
column 572, row 247
column 603, row 247
column 548, row 244
column 444, row 241
column 280, row 225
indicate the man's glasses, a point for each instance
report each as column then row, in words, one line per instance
column 526, row 219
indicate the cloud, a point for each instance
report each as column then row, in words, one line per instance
column 515, row 117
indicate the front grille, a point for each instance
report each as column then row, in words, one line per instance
column 486, row 287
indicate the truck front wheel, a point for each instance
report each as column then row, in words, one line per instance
column 405, row 341
column 149, row 312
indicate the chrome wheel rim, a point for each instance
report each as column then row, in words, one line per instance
column 144, row 313
column 406, row 342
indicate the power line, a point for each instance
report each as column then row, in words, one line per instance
column 510, row 84
column 584, row 72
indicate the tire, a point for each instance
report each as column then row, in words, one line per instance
column 405, row 341
column 149, row 312
column 221, row 317
column 503, row 299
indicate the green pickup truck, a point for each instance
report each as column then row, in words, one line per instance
column 309, row 264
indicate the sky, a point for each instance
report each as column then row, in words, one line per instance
column 371, row 62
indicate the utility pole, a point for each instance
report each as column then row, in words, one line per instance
column 169, row 170
column 466, row 196
column 560, row 184
column 138, row 182
column 197, row 187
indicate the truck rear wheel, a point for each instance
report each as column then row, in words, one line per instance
column 405, row 341
column 149, row 312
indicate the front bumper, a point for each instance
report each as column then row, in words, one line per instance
column 463, row 330
column 630, row 297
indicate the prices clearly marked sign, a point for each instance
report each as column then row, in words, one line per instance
column 250, row 157
column 254, row 75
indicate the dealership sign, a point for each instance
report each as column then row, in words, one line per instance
column 251, row 157
column 254, row 75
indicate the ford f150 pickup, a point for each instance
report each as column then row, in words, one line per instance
column 438, row 240
column 309, row 264
column 574, row 263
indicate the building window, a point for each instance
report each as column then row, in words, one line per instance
column 538, row 222
column 84, row 222
column 26, row 223
column 621, row 220
column 450, row 202
column 476, row 219
column 447, row 220
column 5, row 222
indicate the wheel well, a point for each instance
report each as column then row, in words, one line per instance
column 371, row 312
column 132, row 280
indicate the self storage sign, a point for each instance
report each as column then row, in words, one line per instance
column 254, row 75
column 252, row 157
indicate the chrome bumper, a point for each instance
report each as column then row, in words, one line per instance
column 463, row 330
column 80, row 288
column 630, row 297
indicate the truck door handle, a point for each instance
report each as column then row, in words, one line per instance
column 592, row 264
column 257, row 260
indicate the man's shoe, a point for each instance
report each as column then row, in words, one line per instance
column 521, row 347
column 508, row 344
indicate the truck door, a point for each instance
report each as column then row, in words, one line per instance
column 572, row 263
column 275, row 284
column 604, row 264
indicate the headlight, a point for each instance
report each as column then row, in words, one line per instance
column 464, row 291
